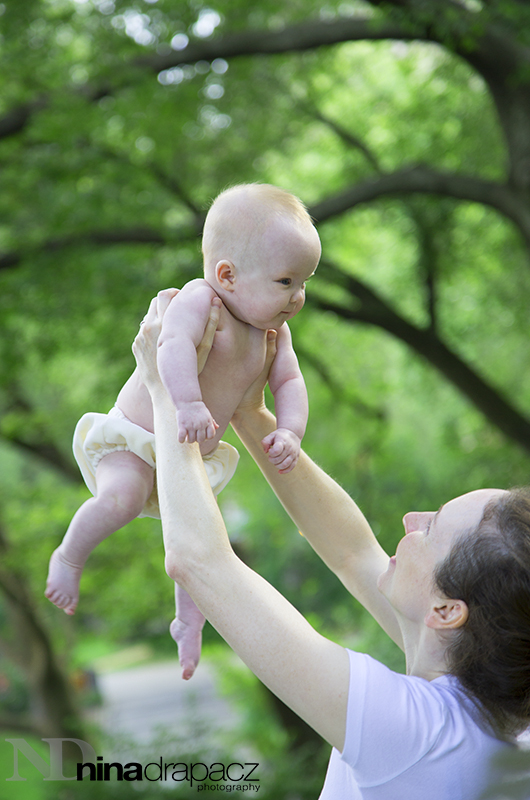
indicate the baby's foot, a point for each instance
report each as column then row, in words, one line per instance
column 189, row 640
column 62, row 586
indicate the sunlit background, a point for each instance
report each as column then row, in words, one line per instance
column 119, row 122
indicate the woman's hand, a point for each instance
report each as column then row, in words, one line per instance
column 203, row 350
column 145, row 344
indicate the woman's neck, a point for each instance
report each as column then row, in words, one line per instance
column 425, row 652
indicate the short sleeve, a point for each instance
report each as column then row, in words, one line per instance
column 393, row 721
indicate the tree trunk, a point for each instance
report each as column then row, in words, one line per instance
column 53, row 711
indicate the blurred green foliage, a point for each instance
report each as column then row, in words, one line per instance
column 113, row 153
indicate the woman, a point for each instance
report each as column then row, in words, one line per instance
column 427, row 734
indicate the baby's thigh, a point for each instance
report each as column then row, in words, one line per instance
column 126, row 475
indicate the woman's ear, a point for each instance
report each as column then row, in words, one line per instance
column 225, row 274
column 447, row 615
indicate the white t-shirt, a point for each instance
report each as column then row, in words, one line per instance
column 409, row 739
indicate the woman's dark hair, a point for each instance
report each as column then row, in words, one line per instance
column 489, row 569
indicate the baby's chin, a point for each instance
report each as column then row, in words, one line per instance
column 273, row 325
column 269, row 325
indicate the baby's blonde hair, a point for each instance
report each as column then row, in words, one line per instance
column 240, row 214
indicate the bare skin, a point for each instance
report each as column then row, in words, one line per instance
column 309, row 673
column 117, row 474
column 253, row 302
column 124, row 484
column 237, row 354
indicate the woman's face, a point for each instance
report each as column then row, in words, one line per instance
column 408, row 582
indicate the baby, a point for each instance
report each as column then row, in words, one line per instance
column 259, row 248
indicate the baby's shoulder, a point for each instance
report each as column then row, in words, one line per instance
column 197, row 288
column 194, row 297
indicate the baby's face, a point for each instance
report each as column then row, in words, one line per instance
column 272, row 290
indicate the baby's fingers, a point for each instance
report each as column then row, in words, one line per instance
column 211, row 429
column 287, row 465
column 276, row 451
column 267, row 441
column 283, row 463
column 183, row 434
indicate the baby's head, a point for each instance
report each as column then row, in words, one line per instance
column 259, row 247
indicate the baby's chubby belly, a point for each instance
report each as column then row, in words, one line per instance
column 235, row 361
column 233, row 364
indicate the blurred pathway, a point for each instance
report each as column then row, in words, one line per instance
column 141, row 699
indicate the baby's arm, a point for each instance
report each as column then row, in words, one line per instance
column 182, row 330
column 290, row 398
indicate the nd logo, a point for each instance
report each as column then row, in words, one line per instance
column 54, row 770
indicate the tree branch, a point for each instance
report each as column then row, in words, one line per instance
column 370, row 308
column 16, row 119
column 171, row 183
column 423, row 180
column 50, row 454
column 338, row 391
column 492, row 48
column 427, row 247
column 165, row 179
column 428, row 255
column 296, row 38
column 138, row 235
column 349, row 139
column 39, row 447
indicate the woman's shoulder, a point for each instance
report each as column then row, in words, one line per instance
column 415, row 722
column 409, row 702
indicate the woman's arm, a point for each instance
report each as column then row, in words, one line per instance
column 325, row 514
column 308, row 672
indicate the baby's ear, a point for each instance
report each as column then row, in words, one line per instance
column 225, row 274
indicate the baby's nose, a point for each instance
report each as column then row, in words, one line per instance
column 298, row 295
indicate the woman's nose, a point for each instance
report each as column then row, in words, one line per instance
column 416, row 520
column 407, row 521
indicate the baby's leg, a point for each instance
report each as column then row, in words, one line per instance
column 124, row 483
column 186, row 630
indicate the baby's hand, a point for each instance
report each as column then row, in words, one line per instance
column 195, row 423
column 283, row 448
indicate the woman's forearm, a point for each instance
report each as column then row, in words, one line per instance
column 185, row 497
column 306, row 671
column 319, row 507
column 328, row 518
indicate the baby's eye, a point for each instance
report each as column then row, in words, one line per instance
column 285, row 281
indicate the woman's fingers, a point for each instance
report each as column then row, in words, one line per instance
column 145, row 344
column 163, row 299
column 203, row 350
column 271, row 349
